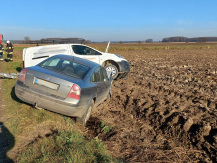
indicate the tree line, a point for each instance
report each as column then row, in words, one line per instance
column 27, row 40
column 186, row 39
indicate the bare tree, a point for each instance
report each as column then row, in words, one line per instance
column 121, row 42
column 27, row 39
column 139, row 42
column 149, row 41
column 201, row 39
column 87, row 41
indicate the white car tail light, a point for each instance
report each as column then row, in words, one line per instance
column 22, row 75
column 75, row 92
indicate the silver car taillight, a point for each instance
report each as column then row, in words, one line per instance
column 75, row 92
column 22, row 75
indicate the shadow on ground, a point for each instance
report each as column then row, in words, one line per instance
column 6, row 143
column 14, row 97
column 19, row 69
column 6, row 60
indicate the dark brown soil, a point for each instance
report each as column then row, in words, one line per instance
column 166, row 109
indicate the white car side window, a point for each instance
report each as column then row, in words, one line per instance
column 83, row 50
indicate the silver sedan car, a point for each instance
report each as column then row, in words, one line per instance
column 65, row 84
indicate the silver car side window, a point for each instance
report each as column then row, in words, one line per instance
column 105, row 76
column 96, row 76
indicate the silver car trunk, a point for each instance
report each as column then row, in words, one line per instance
column 47, row 83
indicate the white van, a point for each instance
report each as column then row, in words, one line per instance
column 117, row 65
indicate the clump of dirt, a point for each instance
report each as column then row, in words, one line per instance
column 165, row 110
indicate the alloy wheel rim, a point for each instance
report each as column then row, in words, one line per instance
column 111, row 70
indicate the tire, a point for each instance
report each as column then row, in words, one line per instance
column 83, row 120
column 113, row 69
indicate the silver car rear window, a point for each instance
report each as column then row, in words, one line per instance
column 66, row 67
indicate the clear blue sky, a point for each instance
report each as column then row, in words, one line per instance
column 104, row 20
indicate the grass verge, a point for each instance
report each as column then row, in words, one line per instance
column 65, row 147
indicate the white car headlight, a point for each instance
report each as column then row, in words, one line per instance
column 119, row 56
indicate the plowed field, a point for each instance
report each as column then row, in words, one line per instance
column 166, row 109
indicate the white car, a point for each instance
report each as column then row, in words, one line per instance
column 114, row 64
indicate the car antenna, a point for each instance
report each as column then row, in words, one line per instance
column 106, row 51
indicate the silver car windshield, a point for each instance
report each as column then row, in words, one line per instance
column 65, row 67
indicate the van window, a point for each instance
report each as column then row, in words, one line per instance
column 83, row 50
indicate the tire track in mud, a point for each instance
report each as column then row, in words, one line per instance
column 166, row 109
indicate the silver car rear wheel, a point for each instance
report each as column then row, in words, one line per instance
column 83, row 120
column 111, row 69
column 88, row 113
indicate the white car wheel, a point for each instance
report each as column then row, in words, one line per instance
column 111, row 69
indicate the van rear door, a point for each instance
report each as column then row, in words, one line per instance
column 34, row 55
column 24, row 52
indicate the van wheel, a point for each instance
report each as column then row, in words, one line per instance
column 112, row 69
column 83, row 120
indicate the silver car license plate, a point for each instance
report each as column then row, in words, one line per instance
column 46, row 83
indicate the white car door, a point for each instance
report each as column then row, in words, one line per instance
column 85, row 52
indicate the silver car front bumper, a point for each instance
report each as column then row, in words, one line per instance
column 49, row 103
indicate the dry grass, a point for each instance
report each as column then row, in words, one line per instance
column 153, row 46
column 136, row 46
